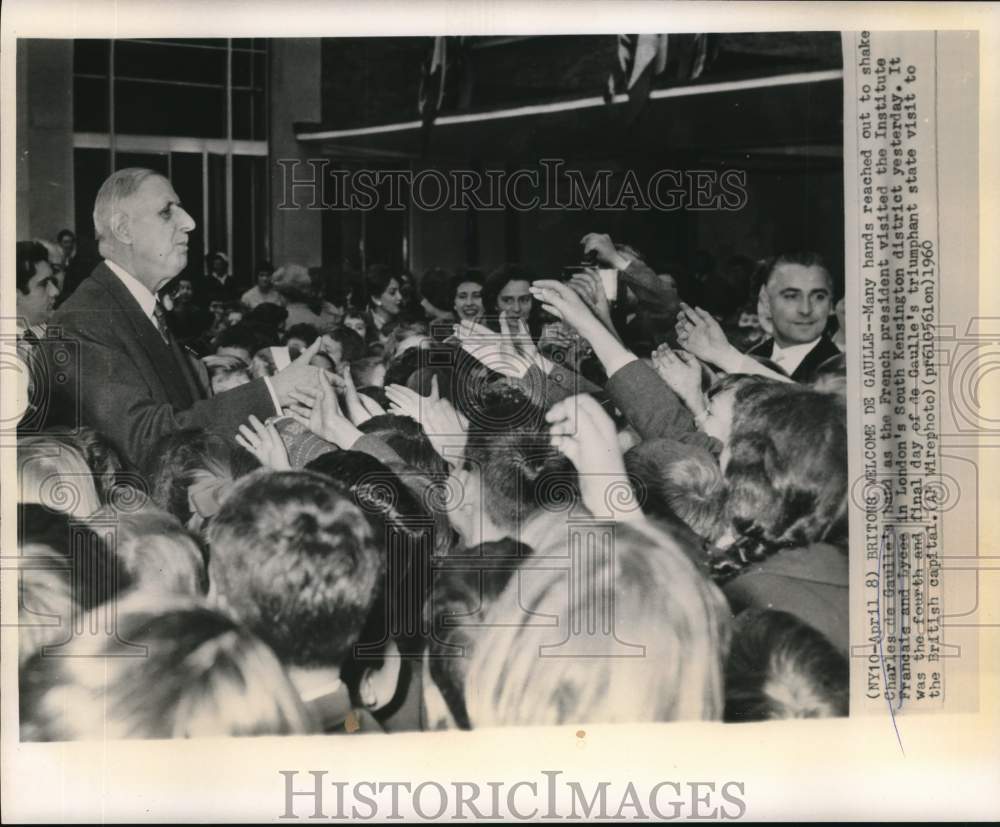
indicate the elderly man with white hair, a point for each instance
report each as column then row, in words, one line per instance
column 134, row 382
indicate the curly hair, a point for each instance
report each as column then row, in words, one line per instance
column 787, row 473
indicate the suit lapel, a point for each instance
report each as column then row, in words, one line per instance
column 814, row 358
column 164, row 362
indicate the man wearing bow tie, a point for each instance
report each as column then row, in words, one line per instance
column 134, row 382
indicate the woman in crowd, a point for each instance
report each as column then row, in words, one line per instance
column 384, row 301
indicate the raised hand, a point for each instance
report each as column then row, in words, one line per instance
column 325, row 418
column 562, row 300
column 581, row 430
column 699, row 333
column 265, row 443
column 356, row 410
column 682, row 373
column 497, row 351
column 298, row 373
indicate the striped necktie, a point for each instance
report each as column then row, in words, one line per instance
column 160, row 316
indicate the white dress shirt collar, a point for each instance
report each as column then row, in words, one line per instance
column 789, row 358
column 139, row 291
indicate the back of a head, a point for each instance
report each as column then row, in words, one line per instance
column 184, row 457
column 519, row 471
column 460, row 597
column 408, row 439
column 103, row 460
column 53, row 472
column 435, row 287
column 787, row 469
column 157, row 551
column 678, row 481
column 97, row 574
column 46, row 591
column 778, row 667
column 657, row 656
column 202, row 675
column 297, row 562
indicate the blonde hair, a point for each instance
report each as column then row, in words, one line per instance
column 46, row 602
column 659, row 658
column 202, row 675
column 52, row 473
column 156, row 551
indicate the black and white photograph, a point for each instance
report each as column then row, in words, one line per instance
column 417, row 387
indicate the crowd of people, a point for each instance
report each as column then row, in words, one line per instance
column 377, row 503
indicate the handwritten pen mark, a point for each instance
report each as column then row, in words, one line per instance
column 881, row 634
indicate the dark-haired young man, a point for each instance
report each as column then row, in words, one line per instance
column 298, row 563
column 37, row 290
column 798, row 292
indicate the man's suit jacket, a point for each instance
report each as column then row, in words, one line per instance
column 806, row 371
column 131, row 385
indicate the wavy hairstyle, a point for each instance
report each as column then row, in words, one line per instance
column 787, row 473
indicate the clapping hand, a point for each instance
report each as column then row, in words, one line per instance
column 265, row 443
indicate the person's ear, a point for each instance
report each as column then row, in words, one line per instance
column 121, row 227
column 378, row 686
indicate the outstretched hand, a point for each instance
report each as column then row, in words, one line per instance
column 581, row 430
column 265, row 443
column 564, row 301
column 682, row 373
column 325, row 418
column 445, row 427
column 700, row 334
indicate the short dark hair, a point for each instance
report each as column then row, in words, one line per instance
column 304, row 331
column 297, row 561
column 29, row 255
column 65, row 232
column 377, row 278
column 803, row 258
column 408, row 439
column 778, row 667
column 459, row 599
column 241, row 336
column 468, row 277
column 435, row 286
column 352, row 346
column 520, row 471
column 500, row 278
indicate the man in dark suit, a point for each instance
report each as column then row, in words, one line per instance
column 134, row 383
column 798, row 293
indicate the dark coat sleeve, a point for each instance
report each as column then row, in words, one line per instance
column 648, row 404
column 117, row 397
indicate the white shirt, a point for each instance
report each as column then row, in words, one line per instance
column 147, row 301
column 789, row 358
column 142, row 294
